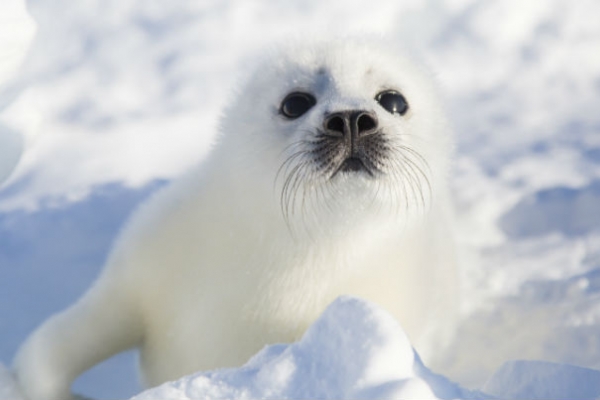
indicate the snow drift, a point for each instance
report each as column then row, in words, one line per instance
column 353, row 351
column 356, row 350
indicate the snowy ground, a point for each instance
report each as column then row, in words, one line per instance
column 106, row 81
column 357, row 351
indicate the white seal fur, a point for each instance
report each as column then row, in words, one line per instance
column 251, row 246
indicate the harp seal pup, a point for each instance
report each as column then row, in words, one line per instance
column 328, row 178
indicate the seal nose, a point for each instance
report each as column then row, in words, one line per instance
column 354, row 123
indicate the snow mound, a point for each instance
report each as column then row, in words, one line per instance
column 543, row 380
column 354, row 350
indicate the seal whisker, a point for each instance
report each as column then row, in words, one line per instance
column 296, row 186
column 410, row 178
column 398, row 173
column 289, row 189
column 418, row 170
column 288, row 161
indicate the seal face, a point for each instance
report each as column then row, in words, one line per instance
column 327, row 179
column 349, row 115
column 350, row 141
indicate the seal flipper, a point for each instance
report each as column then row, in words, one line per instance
column 101, row 324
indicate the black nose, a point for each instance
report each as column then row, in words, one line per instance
column 355, row 123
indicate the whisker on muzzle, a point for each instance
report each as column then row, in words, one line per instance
column 397, row 174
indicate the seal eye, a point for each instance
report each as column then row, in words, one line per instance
column 297, row 103
column 393, row 102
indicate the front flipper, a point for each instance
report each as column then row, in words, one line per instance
column 102, row 323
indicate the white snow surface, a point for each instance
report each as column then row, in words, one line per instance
column 17, row 30
column 355, row 350
column 116, row 96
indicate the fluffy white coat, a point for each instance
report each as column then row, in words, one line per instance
column 219, row 263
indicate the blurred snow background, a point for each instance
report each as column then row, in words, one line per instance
column 17, row 30
column 116, row 97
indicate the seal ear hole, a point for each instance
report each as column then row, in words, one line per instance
column 296, row 104
column 392, row 101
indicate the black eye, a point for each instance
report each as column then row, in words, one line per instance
column 392, row 101
column 297, row 103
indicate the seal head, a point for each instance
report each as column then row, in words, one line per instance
column 332, row 118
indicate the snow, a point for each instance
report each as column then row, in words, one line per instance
column 354, row 350
column 15, row 38
column 106, row 81
column 543, row 380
